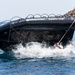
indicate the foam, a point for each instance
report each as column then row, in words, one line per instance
column 39, row 50
column 1, row 51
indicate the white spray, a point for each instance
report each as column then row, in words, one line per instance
column 39, row 50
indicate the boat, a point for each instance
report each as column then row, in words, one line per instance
column 50, row 29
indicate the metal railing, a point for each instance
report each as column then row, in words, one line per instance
column 37, row 17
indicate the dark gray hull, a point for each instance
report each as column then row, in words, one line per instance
column 50, row 31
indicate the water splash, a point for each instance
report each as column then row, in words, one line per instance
column 40, row 50
column 1, row 51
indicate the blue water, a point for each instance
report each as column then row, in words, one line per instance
column 37, row 59
column 46, row 66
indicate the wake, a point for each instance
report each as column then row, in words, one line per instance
column 40, row 50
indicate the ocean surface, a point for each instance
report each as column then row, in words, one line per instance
column 38, row 59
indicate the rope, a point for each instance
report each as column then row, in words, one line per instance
column 66, row 32
column 18, row 33
column 11, row 28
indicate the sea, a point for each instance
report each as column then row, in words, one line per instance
column 38, row 59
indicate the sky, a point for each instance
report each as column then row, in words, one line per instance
column 11, row 8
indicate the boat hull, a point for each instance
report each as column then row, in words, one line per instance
column 22, row 31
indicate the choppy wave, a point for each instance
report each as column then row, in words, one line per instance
column 52, row 64
column 1, row 51
column 40, row 50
